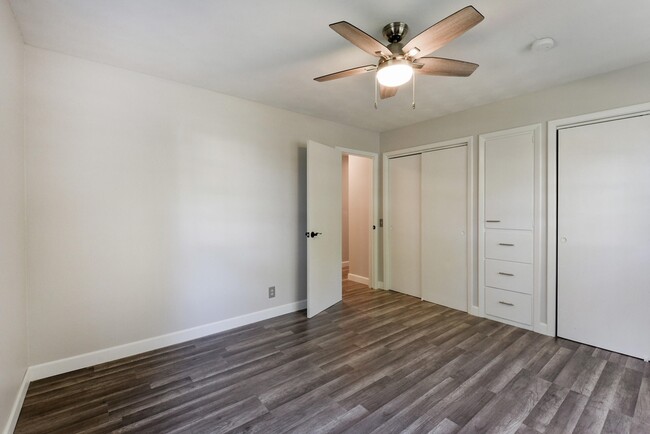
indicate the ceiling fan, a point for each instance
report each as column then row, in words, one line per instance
column 398, row 62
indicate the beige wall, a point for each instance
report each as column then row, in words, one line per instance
column 154, row 207
column 359, row 214
column 13, row 338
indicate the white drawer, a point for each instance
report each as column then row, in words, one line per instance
column 509, row 245
column 509, row 305
column 513, row 276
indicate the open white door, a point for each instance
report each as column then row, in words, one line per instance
column 324, row 227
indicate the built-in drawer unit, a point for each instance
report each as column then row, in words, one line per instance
column 509, row 305
column 507, row 245
column 509, row 223
column 513, row 276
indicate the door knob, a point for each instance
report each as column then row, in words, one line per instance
column 312, row 234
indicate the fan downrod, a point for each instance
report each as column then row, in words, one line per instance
column 395, row 31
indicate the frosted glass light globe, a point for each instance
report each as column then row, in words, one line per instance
column 394, row 72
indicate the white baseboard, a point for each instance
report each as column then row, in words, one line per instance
column 57, row 367
column 358, row 279
column 474, row 310
column 543, row 329
column 18, row 404
column 380, row 285
column 345, row 264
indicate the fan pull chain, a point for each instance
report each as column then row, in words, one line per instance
column 413, row 103
column 376, row 85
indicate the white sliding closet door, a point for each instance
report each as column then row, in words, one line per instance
column 404, row 185
column 603, row 232
column 444, row 226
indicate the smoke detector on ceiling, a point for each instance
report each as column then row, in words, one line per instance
column 542, row 44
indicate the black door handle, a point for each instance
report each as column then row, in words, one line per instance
column 312, row 234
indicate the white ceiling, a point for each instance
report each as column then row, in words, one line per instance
column 270, row 50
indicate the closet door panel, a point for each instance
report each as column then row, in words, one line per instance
column 509, row 182
column 444, row 225
column 404, row 184
column 604, row 235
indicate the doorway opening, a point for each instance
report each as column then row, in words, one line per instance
column 357, row 220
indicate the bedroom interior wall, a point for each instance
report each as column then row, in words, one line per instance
column 155, row 207
column 13, row 310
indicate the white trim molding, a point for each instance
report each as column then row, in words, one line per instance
column 18, row 404
column 56, row 367
column 551, row 215
column 359, row 279
column 374, row 238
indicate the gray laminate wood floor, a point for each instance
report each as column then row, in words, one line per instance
column 377, row 362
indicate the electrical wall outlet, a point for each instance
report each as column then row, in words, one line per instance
column 271, row 291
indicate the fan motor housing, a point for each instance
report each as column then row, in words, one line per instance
column 395, row 31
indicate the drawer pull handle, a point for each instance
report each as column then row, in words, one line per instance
column 492, row 221
column 506, row 274
column 506, row 303
column 507, row 244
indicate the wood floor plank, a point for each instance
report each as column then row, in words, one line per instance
column 567, row 416
column 411, row 411
column 445, row 427
column 588, row 377
column 507, row 411
column 378, row 361
column 591, row 420
column 616, row 423
column 605, row 391
column 545, row 410
column 642, row 411
column 342, row 422
column 627, row 392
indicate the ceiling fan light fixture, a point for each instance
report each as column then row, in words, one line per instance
column 394, row 72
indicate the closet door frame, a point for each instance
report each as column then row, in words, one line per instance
column 374, row 220
column 472, row 248
column 539, row 298
column 552, row 186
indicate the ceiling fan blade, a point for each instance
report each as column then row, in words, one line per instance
column 346, row 73
column 446, row 67
column 361, row 39
column 443, row 32
column 387, row 92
